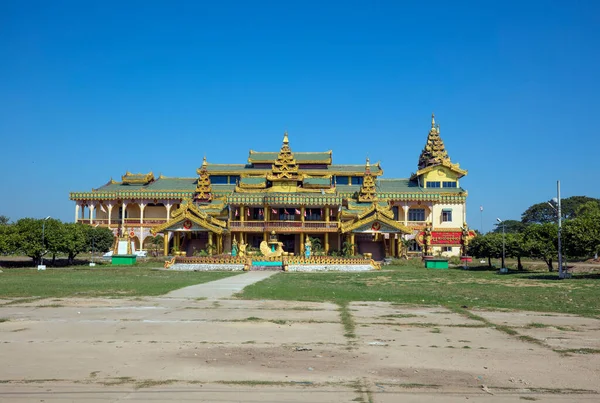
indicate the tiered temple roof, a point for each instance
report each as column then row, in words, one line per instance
column 310, row 178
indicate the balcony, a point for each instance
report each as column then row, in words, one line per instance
column 284, row 226
column 134, row 222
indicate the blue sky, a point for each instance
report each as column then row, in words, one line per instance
column 89, row 90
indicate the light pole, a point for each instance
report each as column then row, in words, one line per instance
column 43, row 236
column 93, row 243
column 561, row 273
column 503, row 243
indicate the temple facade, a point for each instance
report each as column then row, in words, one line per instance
column 341, row 209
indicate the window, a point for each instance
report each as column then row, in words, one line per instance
column 414, row 246
column 357, row 180
column 313, row 214
column 343, row 180
column 287, row 214
column 446, row 248
column 218, row 180
column 446, row 215
column 416, row 214
column 233, row 179
column 395, row 211
column 449, row 184
column 433, row 184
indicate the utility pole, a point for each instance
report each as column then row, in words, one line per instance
column 561, row 273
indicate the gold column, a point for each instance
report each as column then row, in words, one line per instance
column 265, row 213
column 242, row 213
column 265, row 236
column 219, row 243
column 326, row 246
column 302, row 213
column 327, row 214
column 166, row 243
column 210, row 242
column 392, row 245
column 353, row 246
column 302, row 239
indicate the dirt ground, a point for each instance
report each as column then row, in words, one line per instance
column 165, row 349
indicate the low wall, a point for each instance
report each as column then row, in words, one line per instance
column 330, row 267
column 206, row 267
column 288, row 263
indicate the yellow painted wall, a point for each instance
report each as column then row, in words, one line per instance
column 441, row 174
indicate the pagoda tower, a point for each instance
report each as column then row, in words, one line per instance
column 203, row 186
column 368, row 192
column 434, row 152
column 285, row 167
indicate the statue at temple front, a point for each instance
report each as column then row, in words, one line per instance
column 242, row 247
column 307, row 248
column 427, row 238
column 464, row 238
column 234, row 248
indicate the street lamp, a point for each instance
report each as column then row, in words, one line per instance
column 43, row 236
column 503, row 243
column 93, row 244
column 561, row 273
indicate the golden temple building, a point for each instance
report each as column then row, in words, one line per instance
column 350, row 209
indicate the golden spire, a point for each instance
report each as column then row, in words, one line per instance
column 203, row 185
column 285, row 166
column 368, row 192
column 434, row 152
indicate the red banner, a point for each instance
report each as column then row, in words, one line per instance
column 445, row 238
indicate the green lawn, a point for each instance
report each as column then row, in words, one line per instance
column 453, row 288
column 99, row 281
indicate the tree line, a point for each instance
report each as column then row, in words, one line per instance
column 50, row 237
column 536, row 234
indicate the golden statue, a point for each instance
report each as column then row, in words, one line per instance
column 266, row 250
column 427, row 239
column 242, row 247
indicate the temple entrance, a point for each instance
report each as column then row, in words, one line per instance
column 196, row 242
column 366, row 244
column 288, row 241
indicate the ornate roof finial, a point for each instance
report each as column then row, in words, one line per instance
column 285, row 166
column 203, row 184
column 367, row 191
column 434, row 152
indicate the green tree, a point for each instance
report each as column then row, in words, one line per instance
column 487, row 246
column 541, row 213
column 515, row 247
column 54, row 237
column 74, row 240
column 7, row 245
column 99, row 239
column 581, row 235
column 28, row 239
column 540, row 241
column 510, row 227
column 4, row 220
